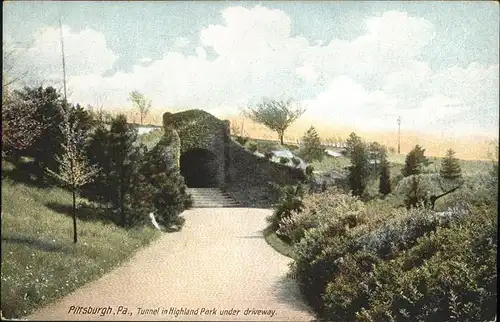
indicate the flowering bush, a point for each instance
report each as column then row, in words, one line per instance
column 373, row 262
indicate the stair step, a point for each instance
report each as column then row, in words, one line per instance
column 211, row 198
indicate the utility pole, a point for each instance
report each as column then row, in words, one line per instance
column 399, row 134
column 63, row 59
column 68, row 128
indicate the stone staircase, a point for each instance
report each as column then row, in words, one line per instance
column 211, row 198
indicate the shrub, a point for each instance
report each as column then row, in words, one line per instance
column 317, row 209
column 241, row 140
column 312, row 145
column 448, row 275
column 252, row 146
column 415, row 161
column 161, row 188
column 290, row 201
column 296, row 161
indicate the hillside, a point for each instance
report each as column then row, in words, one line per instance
column 40, row 263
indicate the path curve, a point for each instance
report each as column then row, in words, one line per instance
column 219, row 260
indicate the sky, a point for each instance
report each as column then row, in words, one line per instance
column 364, row 64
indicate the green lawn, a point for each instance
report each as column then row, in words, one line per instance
column 40, row 263
column 275, row 242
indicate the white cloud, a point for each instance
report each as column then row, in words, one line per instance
column 145, row 60
column 307, row 72
column 86, row 52
column 181, row 42
column 367, row 81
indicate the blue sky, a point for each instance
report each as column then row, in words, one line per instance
column 355, row 62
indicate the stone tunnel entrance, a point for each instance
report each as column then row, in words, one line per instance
column 200, row 169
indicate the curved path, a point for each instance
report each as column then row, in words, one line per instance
column 219, row 261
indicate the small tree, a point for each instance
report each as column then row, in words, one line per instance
column 415, row 161
column 124, row 157
column 415, row 189
column 74, row 168
column 450, row 167
column 385, row 176
column 312, row 145
column 142, row 104
column 359, row 169
column 276, row 115
column 376, row 152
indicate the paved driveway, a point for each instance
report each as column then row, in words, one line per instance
column 219, row 267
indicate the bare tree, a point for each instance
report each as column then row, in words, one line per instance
column 12, row 72
column 142, row 104
column 276, row 115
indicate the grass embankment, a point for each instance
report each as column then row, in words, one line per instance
column 277, row 243
column 40, row 263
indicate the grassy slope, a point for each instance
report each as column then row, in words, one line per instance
column 39, row 261
column 277, row 243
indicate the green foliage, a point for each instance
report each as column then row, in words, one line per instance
column 161, row 187
column 312, row 146
column 114, row 151
column 416, row 189
column 39, row 264
column 415, row 161
column 374, row 263
column 359, row 168
column 284, row 160
column 242, row 140
column 195, row 128
column 296, row 161
column 47, row 145
column 450, row 167
column 290, row 200
column 317, row 209
column 276, row 115
column 252, row 146
column 20, row 128
column 447, row 275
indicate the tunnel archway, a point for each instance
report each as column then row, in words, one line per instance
column 199, row 167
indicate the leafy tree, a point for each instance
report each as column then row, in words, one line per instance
column 312, row 145
column 74, row 168
column 415, row 161
column 416, row 190
column 276, row 115
column 450, row 167
column 20, row 128
column 385, row 176
column 359, row 168
column 47, row 145
column 142, row 104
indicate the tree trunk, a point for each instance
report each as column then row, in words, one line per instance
column 281, row 135
column 74, row 217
